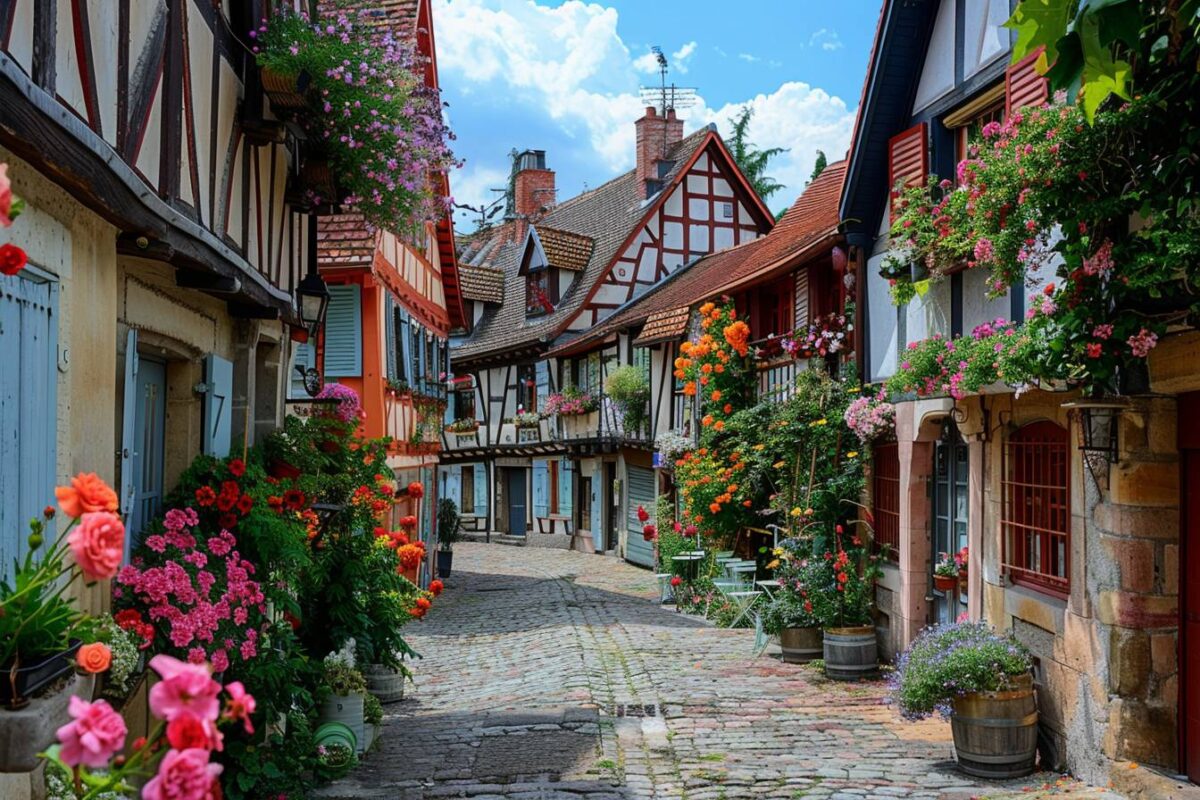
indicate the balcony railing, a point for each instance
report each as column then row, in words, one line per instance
column 609, row 422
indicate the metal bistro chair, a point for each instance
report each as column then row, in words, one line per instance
column 742, row 572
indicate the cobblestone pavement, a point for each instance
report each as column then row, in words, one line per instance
column 551, row 674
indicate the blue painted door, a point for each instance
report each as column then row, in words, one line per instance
column 28, row 404
column 640, row 493
column 541, row 490
column 150, row 414
column 516, row 501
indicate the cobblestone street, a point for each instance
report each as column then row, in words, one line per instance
column 555, row 674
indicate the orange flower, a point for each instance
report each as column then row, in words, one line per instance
column 703, row 380
column 707, row 308
column 718, row 425
column 708, row 420
column 714, row 507
column 719, row 368
column 689, row 388
column 716, row 395
column 728, row 408
column 733, row 487
column 746, row 503
column 87, row 492
column 94, row 658
column 706, row 368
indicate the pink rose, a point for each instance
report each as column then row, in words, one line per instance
column 96, row 733
column 184, row 689
column 241, row 705
column 6, row 197
column 98, row 543
column 184, row 775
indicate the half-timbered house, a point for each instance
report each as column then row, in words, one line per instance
column 1062, row 549
column 552, row 271
column 781, row 283
column 153, row 321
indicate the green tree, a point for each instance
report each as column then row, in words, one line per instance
column 753, row 161
column 819, row 166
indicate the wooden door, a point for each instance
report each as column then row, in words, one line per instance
column 1189, row 601
column 149, row 420
column 516, row 501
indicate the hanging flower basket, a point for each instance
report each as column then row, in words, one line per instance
column 945, row 583
column 287, row 91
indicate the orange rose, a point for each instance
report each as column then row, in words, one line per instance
column 87, row 492
column 94, row 658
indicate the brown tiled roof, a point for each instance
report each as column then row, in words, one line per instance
column 663, row 325
column 482, row 283
column 398, row 15
column 565, row 250
column 343, row 240
column 606, row 215
column 810, row 223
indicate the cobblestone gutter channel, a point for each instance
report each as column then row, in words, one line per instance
column 551, row 674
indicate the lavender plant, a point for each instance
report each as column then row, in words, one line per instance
column 949, row 661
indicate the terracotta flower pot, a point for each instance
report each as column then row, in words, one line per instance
column 944, row 583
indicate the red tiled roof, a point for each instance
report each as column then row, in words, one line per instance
column 343, row 240
column 565, row 250
column 482, row 283
column 663, row 325
column 809, row 224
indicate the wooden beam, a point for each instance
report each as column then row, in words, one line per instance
column 251, row 311
column 207, row 282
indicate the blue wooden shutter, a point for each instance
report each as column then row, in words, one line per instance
column 218, row 405
column 405, row 346
column 597, row 519
column 542, row 372
column 481, row 489
column 566, row 487
column 343, row 332
column 303, row 356
column 389, row 335
column 28, row 407
column 541, row 489
column 423, row 369
column 640, row 493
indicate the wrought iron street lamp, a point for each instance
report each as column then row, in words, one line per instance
column 313, row 298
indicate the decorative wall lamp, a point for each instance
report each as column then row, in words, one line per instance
column 1098, row 430
column 312, row 296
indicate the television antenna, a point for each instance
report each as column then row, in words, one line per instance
column 485, row 211
column 666, row 96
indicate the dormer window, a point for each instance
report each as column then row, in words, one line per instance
column 538, row 299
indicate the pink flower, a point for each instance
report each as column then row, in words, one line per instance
column 185, row 732
column 6, row 197
column 98, row 543
column 95, row 735
column 1102, row 331
column 1142, row 342
column 984, row 251
column 240, row 705
column 184, row 775
column 184, row 689
column 1094, row 349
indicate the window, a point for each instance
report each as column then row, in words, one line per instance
column 971, row 132
column 468, row 490
column 1037, row 514
column 464, row 404
column 885, row 498
column 527, row 387
column 537, row 293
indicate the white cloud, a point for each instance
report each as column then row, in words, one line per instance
column 749, row 57
column 568, row 64
column 826, row 39
column 473, row 186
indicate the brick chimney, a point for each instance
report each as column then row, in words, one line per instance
column 656, row 135
column 533, row 188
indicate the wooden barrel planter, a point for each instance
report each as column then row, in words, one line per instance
column 800, row 645
column 385, row 683
column 995, row 733
column 851, row 653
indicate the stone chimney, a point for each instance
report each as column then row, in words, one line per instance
column 533, row 188
column 656, row 136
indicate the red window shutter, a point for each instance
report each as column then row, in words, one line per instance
column 908, row 158
column 1023, row 86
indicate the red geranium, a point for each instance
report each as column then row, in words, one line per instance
column 649, row 533
column 416, row 490
column 205, row 496
column 643, row 515
column 227, row 521
column 237, row 468
column 408, row 521
column 245, row 503
column 436, row 587
column 275, row 502
column 294, row 499
column 12, row 259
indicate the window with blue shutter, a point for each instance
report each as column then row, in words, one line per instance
column 566, row 487
column 541, row 489
column 543, row 382
column 481, row 490
column 343, row 332
column 218, row 405
column 28, row 422
column 389, row 336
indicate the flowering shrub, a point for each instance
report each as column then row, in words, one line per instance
column 12, row 258
column 950, row 565
column 188, row 701
column 382, row 128
column 525, row 419
column 122, row 655
column 463, row 426
column 570, row 402
column 715, row 367
column 672, row 445
column 1046, row 188
column 949, row 661
column 198, row 592
column 868, row 418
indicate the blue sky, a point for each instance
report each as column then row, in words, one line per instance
column 563, row 77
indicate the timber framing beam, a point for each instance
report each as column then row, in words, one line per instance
column 36, row 127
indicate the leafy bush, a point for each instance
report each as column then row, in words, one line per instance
column 788, row 610
column 372, row 709
column 447, row 520
column 949, row 661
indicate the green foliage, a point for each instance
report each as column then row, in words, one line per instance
column 35, row 618
column 123, row 645
column 753, row 162
column 819, row 166
column 447, row 521
column 372, row 709
column 629, row 388
column 948, row 661
column 342, row 679
column 787, row 610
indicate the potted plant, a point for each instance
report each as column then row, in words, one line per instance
column 345, row 687
column 112, row 653
column 945, row 573
column 627, row 387
column 39, row 626
column 982, row 681
column 789, row 616
column 372, row 720
column 841, row 585
column 447, row 519
column 570, row 402
column 525, row 419
column 463, row 426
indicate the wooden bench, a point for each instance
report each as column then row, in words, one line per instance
column 554, row 523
